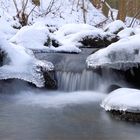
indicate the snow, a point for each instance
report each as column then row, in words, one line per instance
column 6, row 28
column 76, row 36
column 69, row 37
column 72, row 28
column 21, row 64
column 32, row 37
column 115, row 26
column 126, row 32
column 123, row 55
column 129, row 32
column 70, row 11
column 123, row 99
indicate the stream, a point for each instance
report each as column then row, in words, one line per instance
column 72, row 112
column 27, row 113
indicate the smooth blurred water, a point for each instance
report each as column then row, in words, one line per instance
column 31, row 114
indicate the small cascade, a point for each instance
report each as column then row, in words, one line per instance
column 72, row 73
column 74, row 81
column 88, row 80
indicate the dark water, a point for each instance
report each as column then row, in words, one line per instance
column 31, row 114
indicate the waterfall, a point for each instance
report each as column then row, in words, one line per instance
column 73, row 81
column 89, row 80
column 72, row 73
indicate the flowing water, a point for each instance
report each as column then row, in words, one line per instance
column 72, row 112
column 27, row 113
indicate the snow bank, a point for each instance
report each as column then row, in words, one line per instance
column 20, row 63
column 115, row 26
column 123, row 99
column 123, row 55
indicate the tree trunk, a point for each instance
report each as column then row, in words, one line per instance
column 122, row 10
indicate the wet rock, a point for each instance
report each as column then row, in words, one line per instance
column 126, row 116
column 50, row 80
column 56, row 43
column 99, row 41
column 131, row 76
column 112, row 88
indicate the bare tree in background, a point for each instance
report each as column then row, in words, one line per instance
column 22, row 15
column 122, row 10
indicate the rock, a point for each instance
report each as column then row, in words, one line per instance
column 110, row 38
column 112, row 88
column 132, row 76
column 50, row 80
column 126, row 116
column 95, row 42
column 99, row 41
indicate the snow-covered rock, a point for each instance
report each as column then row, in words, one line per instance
column 115, row 27
column 18, row 62
column 123, row 55
column 32, row 37
column 126, row 32
column 123, row 99
column 72, row 28
column 83, row 35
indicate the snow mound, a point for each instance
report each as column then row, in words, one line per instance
column 123, row 99
column 20, row 63
column 72, row 28
column 126, row 32
column 123, row 55
column 32, row 37
column 115, row 27
column 83, row 35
